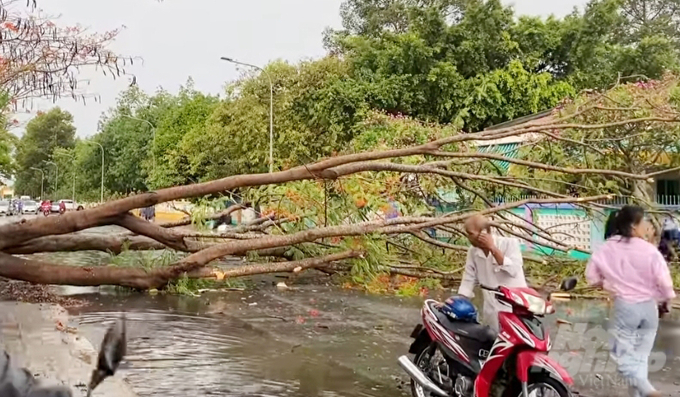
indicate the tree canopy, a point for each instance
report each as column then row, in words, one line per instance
column 44, row 134
column 464, row 64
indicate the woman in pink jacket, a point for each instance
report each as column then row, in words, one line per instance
column 635, row 273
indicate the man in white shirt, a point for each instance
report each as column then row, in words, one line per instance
column 492, row 261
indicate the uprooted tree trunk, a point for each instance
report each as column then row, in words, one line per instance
column 65, row 232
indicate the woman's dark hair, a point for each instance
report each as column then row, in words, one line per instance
column 621, row 222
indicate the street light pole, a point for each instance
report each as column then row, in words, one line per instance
column 101, row 200
column 153, row 129
column 56, row 179
column 271, row 107
column 42, row 182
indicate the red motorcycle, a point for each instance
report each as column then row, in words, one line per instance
column 466, row 359
column 46, row 207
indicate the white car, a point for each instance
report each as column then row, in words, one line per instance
column 69, row 204
column 4, row 207
column 30, row 207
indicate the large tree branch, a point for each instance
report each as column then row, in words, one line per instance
column 391, row 226
column 40, row 272
column 425, row 169
column 146, row 228
column 542, row 166
column 46, row 273
column 281, row 267
column 116, row 244
column 13, row 234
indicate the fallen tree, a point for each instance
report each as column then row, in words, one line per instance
column 452, row 161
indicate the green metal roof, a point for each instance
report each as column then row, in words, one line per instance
column 510, row 150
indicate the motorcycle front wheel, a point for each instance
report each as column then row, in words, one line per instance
column 540, row 385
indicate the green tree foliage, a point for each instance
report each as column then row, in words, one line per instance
column 45, row 133
column 181, row 115
column 466, row 63
column 141, row 137
column 7, row 143
column 316, row 111
column 447, row 60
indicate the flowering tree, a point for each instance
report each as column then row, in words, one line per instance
column 40, row 58
column 320, row 214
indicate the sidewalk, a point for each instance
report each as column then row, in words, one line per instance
column 38, row 337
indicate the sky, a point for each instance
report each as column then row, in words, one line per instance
column 178, row 39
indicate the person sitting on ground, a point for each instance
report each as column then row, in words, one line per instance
column 492, row 261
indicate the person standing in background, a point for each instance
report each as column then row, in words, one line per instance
column 152, row 213
column 671, row 227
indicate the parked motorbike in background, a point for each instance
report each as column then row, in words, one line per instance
column 467, row 359
column 19, row 382
column 46, row 207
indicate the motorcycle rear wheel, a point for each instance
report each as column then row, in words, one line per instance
column 427, row 353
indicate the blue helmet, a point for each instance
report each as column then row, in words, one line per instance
column 460, row 308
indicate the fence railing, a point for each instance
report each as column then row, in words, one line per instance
column 668, row 200
column 660, row 200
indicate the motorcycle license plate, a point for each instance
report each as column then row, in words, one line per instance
column 416, row 331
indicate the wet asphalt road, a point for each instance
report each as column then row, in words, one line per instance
column 309, row 341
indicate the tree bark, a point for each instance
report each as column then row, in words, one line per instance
column 47, row 273
column 277, row 267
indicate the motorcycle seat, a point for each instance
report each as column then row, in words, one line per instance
column 476, row 331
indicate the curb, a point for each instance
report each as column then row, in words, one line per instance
column 38, row 337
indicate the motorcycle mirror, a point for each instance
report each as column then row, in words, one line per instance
column 112, row 351
column 569, row 283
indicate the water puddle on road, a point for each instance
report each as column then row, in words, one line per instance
column 174, row 354
column 235, row 344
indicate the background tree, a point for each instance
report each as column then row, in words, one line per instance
column 332, row 214
column 7, row 142
column 45, row 133
column 458, row 60
column 469, row 63
column 41, row 58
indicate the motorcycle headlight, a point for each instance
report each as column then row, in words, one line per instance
column 536, row 305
